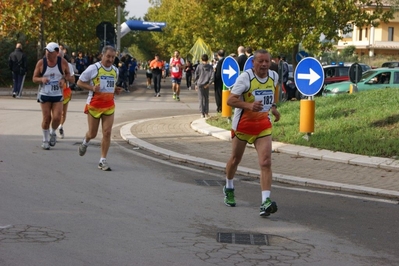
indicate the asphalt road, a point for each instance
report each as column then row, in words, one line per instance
column 57, row 208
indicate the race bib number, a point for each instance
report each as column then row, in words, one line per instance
column 107, row 84
column 175, row 69
column 52, row 87
column 266, row 97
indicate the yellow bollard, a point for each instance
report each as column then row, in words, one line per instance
column 226, row 109
column 277, row 94
column 307, row 114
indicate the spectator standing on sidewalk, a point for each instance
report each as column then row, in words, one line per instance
column 177, row 65
column 253, row 97
column 157, row 67
column 17, row 63
column 48, row 73
column 218, row 81
column 132, row 65
column 100, row 80
column 203, row 78
column 241, row 58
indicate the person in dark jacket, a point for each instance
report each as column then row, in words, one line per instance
column 219, row 81
column 17, row 63
column 241, row 58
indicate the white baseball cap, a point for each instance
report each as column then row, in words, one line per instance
column 52, row 46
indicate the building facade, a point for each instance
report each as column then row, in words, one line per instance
column 372, row 41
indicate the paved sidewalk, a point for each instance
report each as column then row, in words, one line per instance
column 189, row 139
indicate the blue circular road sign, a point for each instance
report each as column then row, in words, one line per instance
column 249, row 64
column 230, row 71
column 309, row 76
column 301, row 55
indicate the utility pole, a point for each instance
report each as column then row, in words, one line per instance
column 118, row 31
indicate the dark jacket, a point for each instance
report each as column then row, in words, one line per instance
column 241, row 59
column 218, row 74
column 17, row 62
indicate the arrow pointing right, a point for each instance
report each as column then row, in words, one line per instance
column 312, row 76
column 231, row 72
column 153, row 27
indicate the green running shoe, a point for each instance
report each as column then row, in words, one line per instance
column 267, row 207
column 229, row 197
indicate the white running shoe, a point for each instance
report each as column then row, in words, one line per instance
column 53, row 139
column 103, row 165
column 45, row 145
column 82, row 149
column 61, row 132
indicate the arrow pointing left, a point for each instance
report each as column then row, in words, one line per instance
column 231, row 72
column 312, row 76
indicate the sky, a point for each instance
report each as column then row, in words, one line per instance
column 137, row 8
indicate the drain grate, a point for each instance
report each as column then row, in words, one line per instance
column 243, row 239
column 209, row 183
column 29, row 234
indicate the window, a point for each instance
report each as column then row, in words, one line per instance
column 348, row 31
column 396, row 78
column 365, row 33
column 390, row 34
column 360, row 34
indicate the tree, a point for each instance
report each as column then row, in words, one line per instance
column 274, row 25
column 72, row 22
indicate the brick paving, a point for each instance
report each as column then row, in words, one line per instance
column 176, row 134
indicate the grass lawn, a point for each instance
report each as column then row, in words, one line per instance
column 365, row 123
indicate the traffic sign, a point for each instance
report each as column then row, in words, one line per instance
column 301, row 55
column 309, row 76
column 355, row 73
column 249, row 64
column 106, row 31
column 230, row 71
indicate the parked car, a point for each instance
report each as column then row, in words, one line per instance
column 391, row 64
column 364, row 66
column 335, row 73
column 373, row 79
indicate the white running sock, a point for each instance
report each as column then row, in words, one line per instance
column 85, row 143
column 102, row 159
column 229, row 183
column 46, row 135
column 265, row 195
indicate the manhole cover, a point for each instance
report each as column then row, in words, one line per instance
column 209, row 183
column 29, row 234
column 243, row 239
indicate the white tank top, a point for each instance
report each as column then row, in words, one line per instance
column 52, row 88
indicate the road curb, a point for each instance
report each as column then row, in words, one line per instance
column 125, row 132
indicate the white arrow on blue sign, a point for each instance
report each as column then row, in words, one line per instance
column 249, row 64
column 301, row 55
column 230, row 71
column 309, row 76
